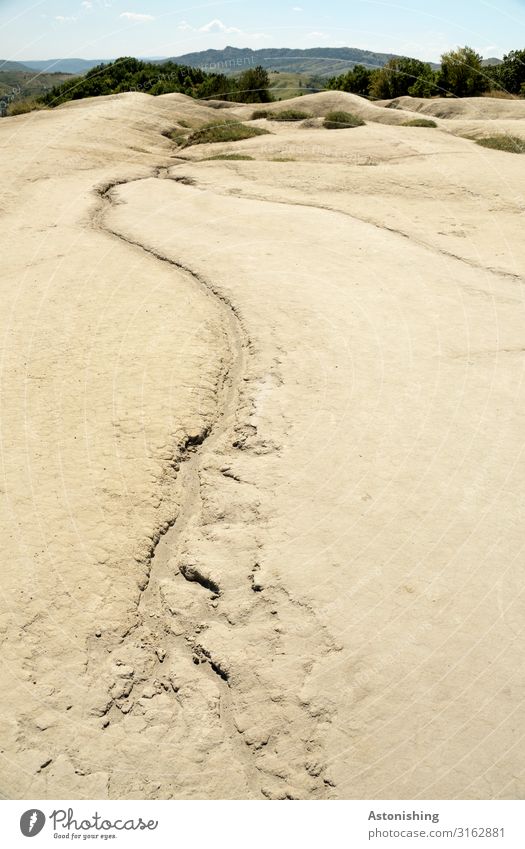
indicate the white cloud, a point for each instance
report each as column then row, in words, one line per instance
column 87, row 4
column 63, row 20
column 317, row 35
column 297, row 9
column 216, row 26
column 136, row 17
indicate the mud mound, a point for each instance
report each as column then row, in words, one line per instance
column 318, row 105
column 171, row 106
column 486, row 108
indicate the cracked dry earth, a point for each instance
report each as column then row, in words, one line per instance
column 262, row 432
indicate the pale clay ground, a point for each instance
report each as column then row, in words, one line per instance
column 311, row 373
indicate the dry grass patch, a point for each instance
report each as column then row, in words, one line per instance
column 22, row 107
column 229, row 157
column 342, row 121
column 510, row 144
column 419, row 122
column 291, row 115
column 284, row 115
column 222, row 131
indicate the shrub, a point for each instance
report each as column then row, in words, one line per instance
column 342, row 121
column 419, row 122
column 285, row 115
column 224, row 131
column 22, row 107
column 290, row 115
column 510, row 144
column 499, row 94
column 176, row 135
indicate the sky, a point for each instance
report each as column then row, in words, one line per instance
column 104, row 29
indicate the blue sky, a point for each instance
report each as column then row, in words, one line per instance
column 44, row 29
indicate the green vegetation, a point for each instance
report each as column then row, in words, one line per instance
column 234, row 157
column 510, row 144
column 283, row 159
column 19, row 85
column 402, row 76
column 462, row 73
column 22, row 107
column 128, row 74
column 290, row 115
column 509, row 76
column 176, row 135
column 419, row 122
column 342, row 121
column 20, row 90
column 356, row 81
column 284, row 86
column 252, row 86
column 222, row 131
column 284, row 115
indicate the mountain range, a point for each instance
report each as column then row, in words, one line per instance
column 320, row 61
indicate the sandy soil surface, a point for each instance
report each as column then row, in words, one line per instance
column 262, row 429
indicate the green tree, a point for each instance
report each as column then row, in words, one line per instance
column 494, row 77
column 425, row 85
column 253, row 86
column 403, row 75
column 462, row 73
column 356, row 81
column 511, row 73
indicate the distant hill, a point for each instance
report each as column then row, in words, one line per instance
column 316, row 61
column 5, row 65
column 18, row 85
column 74, row 66
column 64, row 66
